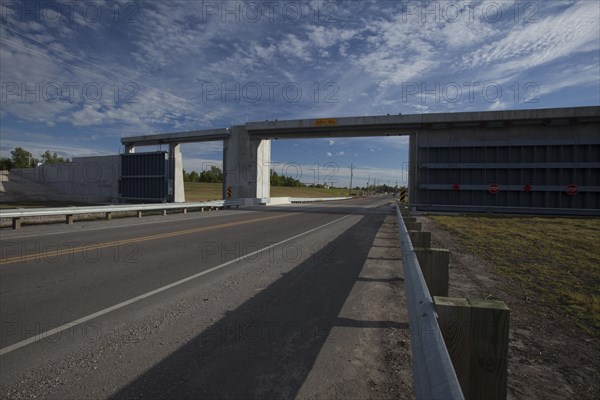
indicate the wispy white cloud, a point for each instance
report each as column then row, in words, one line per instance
column 354, row 64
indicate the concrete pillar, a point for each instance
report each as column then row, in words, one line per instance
column 225, row 147
column 412, row 170
column 263, row 184
column 246, row 165
column 177, row 165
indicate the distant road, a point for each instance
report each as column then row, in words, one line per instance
column 105, row 308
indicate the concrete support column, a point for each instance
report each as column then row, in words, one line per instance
column 263, row 158
column 246, row 165
column 412, row 170
column 177, row 171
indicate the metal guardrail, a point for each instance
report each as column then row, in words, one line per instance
column 36, row 212
column 433, row 373
column 17, row 214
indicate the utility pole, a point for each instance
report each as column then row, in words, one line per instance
column 368, row 182
column 351, row 174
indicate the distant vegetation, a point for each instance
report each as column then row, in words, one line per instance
column 215, row 175
column 21, row 158
column 282, row 180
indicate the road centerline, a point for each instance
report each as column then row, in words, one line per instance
column 58, row 253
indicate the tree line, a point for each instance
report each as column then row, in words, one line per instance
column 21, row 158
column 215, row 175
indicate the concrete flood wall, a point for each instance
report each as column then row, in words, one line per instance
column 84, row 179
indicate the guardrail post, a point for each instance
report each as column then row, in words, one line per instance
column 69, row 218
column 420, row 239
column 454, row 318
column 434, row 265
column 490, row 347
column 16, row 223
column 476, row 335
column 109, row 215
column 413, row 226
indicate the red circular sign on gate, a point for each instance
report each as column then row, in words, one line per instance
column 456, row 187
column 527, row 187
column 572, row 189
column 494, row 188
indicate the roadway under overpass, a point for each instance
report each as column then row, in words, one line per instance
column 513, row 159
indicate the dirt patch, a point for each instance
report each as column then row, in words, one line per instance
column 550, row 356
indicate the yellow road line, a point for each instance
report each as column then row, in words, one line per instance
column 72, row 250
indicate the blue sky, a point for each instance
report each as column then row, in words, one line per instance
column 77, row 76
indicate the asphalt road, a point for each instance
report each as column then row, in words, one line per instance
column 224, row 304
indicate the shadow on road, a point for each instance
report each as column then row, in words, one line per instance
column 267, row 346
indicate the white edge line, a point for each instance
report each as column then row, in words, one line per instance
column 87, row 318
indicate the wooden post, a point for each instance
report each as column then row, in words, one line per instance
column 420, row 239
column 476, row 335
column 434, row 265
column 109, row 215
column 454, row 317
column 70, row 219
column 489, row 355
column 16, row 223
column 413, row 226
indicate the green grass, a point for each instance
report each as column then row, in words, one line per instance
column 284, row 191
column 557, row 260
column 199, row 191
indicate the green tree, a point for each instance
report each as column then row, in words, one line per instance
column 213, row 175
column 282, row 180
column 21, row 158
column 193, row 176
column 5, row 163
column 52, row 158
